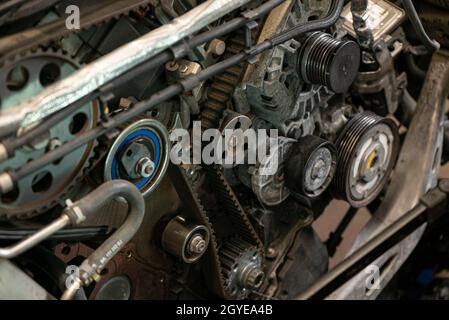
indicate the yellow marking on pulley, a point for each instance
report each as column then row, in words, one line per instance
column 371, row 159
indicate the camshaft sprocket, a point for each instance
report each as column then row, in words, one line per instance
column 23, row 77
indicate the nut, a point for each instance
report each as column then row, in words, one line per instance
column 197, row 244
column 145, row 167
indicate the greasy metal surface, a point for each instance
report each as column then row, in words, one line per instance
column 383, row 17
column 147, row 282
column 384, row 79
column 432, row 208
column 274, row 268
column 108, row 67
column 17, row 285
column 361, row 257
column 418, row 160
column 272, row 24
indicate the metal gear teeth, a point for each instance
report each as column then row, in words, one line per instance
column 58, row 54
column 245, row 239
column 231, row 251
column 13, row 52
column 234, row 254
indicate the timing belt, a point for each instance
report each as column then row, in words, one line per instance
column 192, row 205
column 243, row 229
column 223, row 85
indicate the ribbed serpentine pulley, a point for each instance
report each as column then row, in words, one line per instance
column 330, row 62
column 367, row 150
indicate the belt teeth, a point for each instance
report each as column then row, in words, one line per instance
column 235, row 71
column 218, row 96
column 214, row 105
column 209, row 114
column 222, row 87
column 229, row 79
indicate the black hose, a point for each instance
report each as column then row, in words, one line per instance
column 336, row 237
column 430, row 44
column 11, row 5
column 185, row 84
column 12, row 144
column 91, row 204
column 330, row 20
column 413, row 68
column 71, row 234
column 359, row 5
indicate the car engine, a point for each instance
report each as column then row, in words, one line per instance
column 109, row 190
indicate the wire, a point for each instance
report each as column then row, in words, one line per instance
column 430, row 44
column 72, row 234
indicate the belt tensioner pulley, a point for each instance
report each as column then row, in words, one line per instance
column 140, row 154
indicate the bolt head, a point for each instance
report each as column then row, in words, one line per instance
column 145, row 167
column 184, row 68
column 172, row 66
column 271, row 253
column 444, row 185
column 217, row 47
column 255, row 278
column 197, row 244
column 54, row 143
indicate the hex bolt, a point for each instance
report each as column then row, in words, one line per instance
column 217, row 47
column 272, row 253
column 319, row 170
column 172, row 66
column 144, row 167
column 444, row 185
column 54, row 143
column 184, row 68
column 197, row 244
column 251, row 276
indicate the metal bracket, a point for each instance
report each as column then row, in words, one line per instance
column 249, row 27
